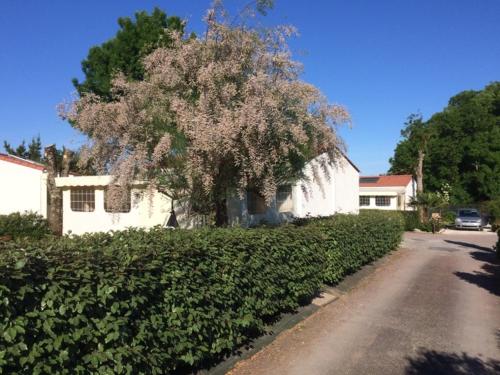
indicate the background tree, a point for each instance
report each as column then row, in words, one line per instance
column 124, row 53
column 213, row 116
column 465, row 148
column 32, row 152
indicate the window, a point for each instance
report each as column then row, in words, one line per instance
column 284, row 201
column 124, row 206
column 364, row 200
column 83, row 199
column 383, row 201
column 255, row 203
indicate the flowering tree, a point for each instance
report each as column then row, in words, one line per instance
column 215, row 115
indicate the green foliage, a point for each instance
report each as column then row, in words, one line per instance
column 162, row 301
column 410, row 219
column 33, row 152
column 124, row 52
column 416, row 136
column 352, row 241
column 449, row 218
column 23, row 225
column 464, row 150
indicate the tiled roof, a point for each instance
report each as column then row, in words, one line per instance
column 382, row 181
column 20, row 161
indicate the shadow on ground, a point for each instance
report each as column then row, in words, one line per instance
column 432, row 362
column 468, row 244
column 489, row 276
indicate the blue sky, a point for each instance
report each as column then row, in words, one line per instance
column 382, row 59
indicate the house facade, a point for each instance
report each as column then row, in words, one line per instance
column 393, row 192
column 325, row 190
column 23, row 186
column 85, row 208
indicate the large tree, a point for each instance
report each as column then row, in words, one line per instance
column 124, row 52
column 213, row 116
column 465, row 149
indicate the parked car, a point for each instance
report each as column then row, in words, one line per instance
column 468, row 219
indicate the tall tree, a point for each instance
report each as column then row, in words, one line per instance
column 214, row 115
column 412, row 149
column 124, row 53
column 32, row 152
column 465, row 149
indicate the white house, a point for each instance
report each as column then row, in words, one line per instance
column 387, row 192
column 23, row 186
column 85, row 209
column 324, row 191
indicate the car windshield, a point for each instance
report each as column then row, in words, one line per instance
column 468, row 214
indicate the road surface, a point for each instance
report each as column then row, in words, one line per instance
column 433, row 308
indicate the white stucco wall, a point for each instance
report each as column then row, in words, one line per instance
column 407, row 192
column 324, row 191
column 346, row 187
column 147, row 210
column 22, row 189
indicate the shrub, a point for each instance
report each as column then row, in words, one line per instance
column 160, row 301
column 23, row 225
column 134, row 301
column 410, row 218
column 353, row 241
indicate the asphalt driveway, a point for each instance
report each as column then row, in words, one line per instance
column 433, row 308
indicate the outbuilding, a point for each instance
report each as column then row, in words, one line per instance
column 392, row 192
column 23, row 186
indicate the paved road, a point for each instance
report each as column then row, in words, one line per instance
column 433, row 308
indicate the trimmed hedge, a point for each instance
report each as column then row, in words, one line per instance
column 163, row 301
column 410, row 218
column 23, row 225
column 353, row 241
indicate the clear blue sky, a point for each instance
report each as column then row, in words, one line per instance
column 382, row 59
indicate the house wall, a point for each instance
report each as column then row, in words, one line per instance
column 22, row 189
column 346, row 188
column 393, row 203
column 407, row 192
column 324, row 191
column 147, row 210
column 411, row 192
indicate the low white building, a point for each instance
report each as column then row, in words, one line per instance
column 393, row 192
column 85, row 209
column 23, row 186
column 323, row 192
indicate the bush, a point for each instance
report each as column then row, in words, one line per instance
column 353, row 241
column 23, row 225
column 135, row 301
column 160, row 301
column 410, row 218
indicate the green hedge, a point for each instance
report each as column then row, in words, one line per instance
column 163, row 301
column 353, row 241
column 410, row 219
column 23, row 225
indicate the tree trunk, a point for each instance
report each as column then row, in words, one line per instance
column 420, row 181
column 54, row 212
column 67, row 156
column 221, row 218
